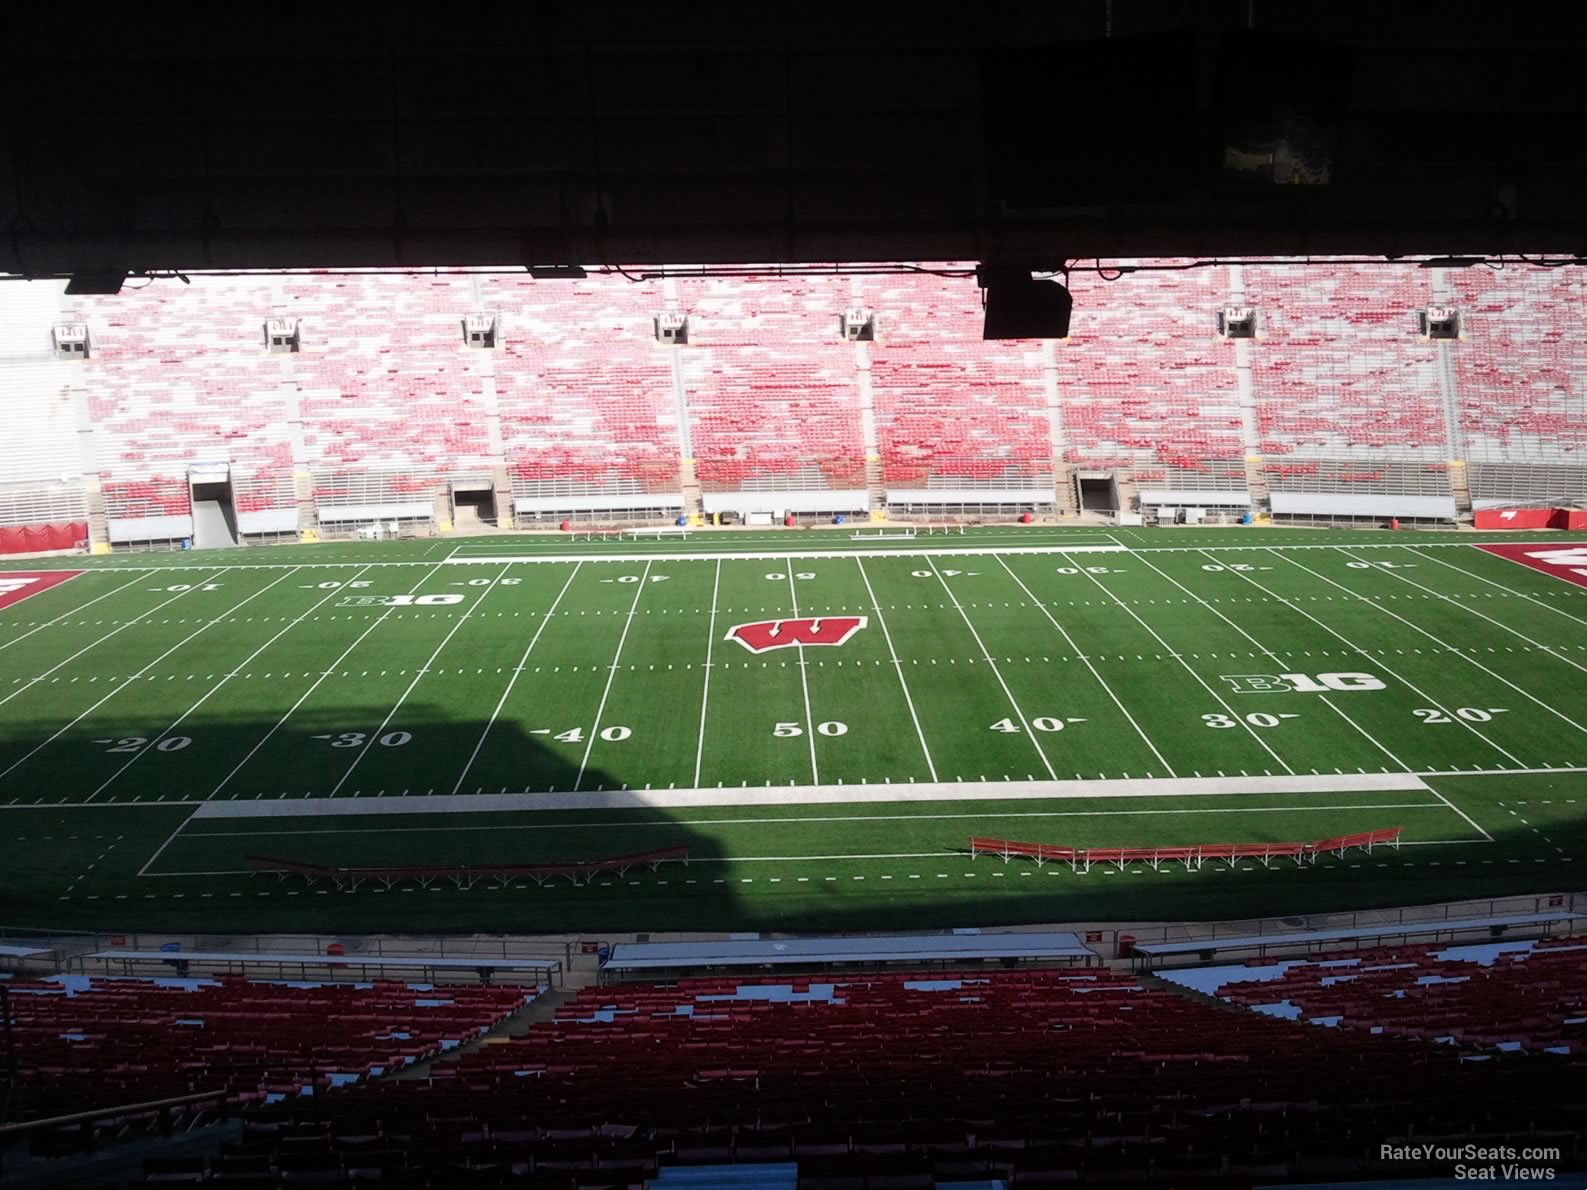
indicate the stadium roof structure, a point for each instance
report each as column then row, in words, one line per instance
column 572, row 137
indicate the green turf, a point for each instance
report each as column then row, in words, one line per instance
column 277, row 675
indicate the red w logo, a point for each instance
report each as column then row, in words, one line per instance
column 766, row 635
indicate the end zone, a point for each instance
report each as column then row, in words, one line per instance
column 17, row 585
column 1565, row 562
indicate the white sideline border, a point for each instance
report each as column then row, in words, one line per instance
column 1352, row 786
column 813, row 795
column 784, row 555
column 773, row 555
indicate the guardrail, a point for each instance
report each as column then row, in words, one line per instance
column 163, row 1111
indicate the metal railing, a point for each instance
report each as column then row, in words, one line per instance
column 164, row 1113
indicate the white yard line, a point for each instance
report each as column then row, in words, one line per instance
column 1511, row 590
column 74, row 611
column 611, row 675
column 705, row 693
column 1167, row 648
column 1030, row 732
column 177, row 722
column 898, row 667
column 1080, row 653
column 513, row 681
column 118, row 688
column 1267, row 652
column 101, row 640
column 1381, row 664
column 417, row 677
column 160, row 850
column 1440, row 642
column 1462, row 813
column 292, row 710
column 1465, row 607
column 804, row 682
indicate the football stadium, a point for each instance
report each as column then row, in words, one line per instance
column 1036, row 655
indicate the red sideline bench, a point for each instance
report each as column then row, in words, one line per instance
column 467, row 875
column 1192, row 856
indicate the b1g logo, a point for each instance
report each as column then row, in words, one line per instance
column 1301, row 683
column 399, row 601
column 766, row 635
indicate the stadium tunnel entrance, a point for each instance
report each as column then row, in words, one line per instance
column 214, row 509
column 473, row 504
column 1097, row 491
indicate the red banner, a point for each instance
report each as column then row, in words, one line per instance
column 35, row 539
column 1564, row 561
column 17, row 585
column 1530, row 518
column 1513, row 518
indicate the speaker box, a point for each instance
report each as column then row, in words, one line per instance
column 1027, row 309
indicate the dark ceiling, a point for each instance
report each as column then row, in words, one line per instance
column 279, row 137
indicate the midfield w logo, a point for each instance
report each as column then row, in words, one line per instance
column 766, row 635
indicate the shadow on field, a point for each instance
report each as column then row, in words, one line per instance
column 71, row 865
column 68, row 861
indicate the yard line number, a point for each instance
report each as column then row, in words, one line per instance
column 1254, row 718
column 355, row 739
column 830, row 728
column 135, row 743
column 1040, row 723
column 1469, row 714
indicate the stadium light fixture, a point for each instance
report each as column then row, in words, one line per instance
column 1450, row 262
column 555, row 272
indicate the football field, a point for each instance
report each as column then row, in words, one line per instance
column 822, row 718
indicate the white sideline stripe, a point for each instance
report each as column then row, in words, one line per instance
column 775, row 554
column 512, row 681
column 815, row 795
column 784, row 555
column 1354, row 786
column 1565, row 768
